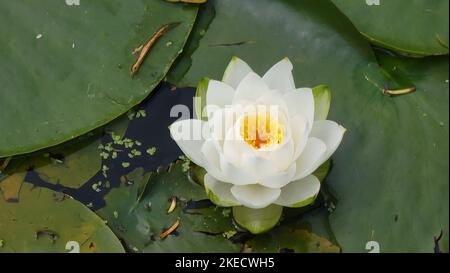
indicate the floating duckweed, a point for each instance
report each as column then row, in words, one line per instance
column 109, row 147
column 125, row 164
column 186, row 163
column 131, row 114
column 229, row 234
column 104, row 170
column 169, row 43
column 89, row 205
column 136, row 152
column 115, row 137
column 141, row 113
column 116, row 214
column 96, row 188
column 226, row 212
column 130, row 155
column 151, row 151
column 100, row 147
column 104, row 155
column 138, row 143
column 128, row 143
column 114, row 155
column 107, row 184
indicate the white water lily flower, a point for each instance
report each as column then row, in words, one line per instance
column 256, row 157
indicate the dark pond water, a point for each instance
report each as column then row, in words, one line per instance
column 151, row 130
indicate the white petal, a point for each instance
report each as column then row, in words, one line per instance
column 311, row 158
column 299, row 126
column 259, row 166
column 211, row 154
column 219, row 94
column 255, row 196
column 212, row 159
column 220, row 122
column 236, row 71
column 273, row 100
column 234, row 174
column 280, row 77
column 279, row 180
column 299, row 193
column 330, row 133
column 234, row 146
column 188, row 135
column 281, row 156
column 301, row 101
column 251, row 88
column 219, row 192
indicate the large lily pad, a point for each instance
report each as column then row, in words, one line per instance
column 46, row 221
column 65, row 69
column 393, row 144
column 396, row 189
column 413, row 27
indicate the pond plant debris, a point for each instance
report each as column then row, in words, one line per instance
column 173, row 205
column 399, row 91
column 144, row 50
column 170, row 230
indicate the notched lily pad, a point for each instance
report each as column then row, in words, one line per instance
column 44, row 221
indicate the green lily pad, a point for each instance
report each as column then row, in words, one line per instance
column 71, row 165
column 413, row 27
column 393, row 144
column 57, row 223
column 138, row 213
column 395, row 191
column 290, row 239
column 305, row 233
column 65, row 69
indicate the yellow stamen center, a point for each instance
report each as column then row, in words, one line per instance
column 260, row 130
